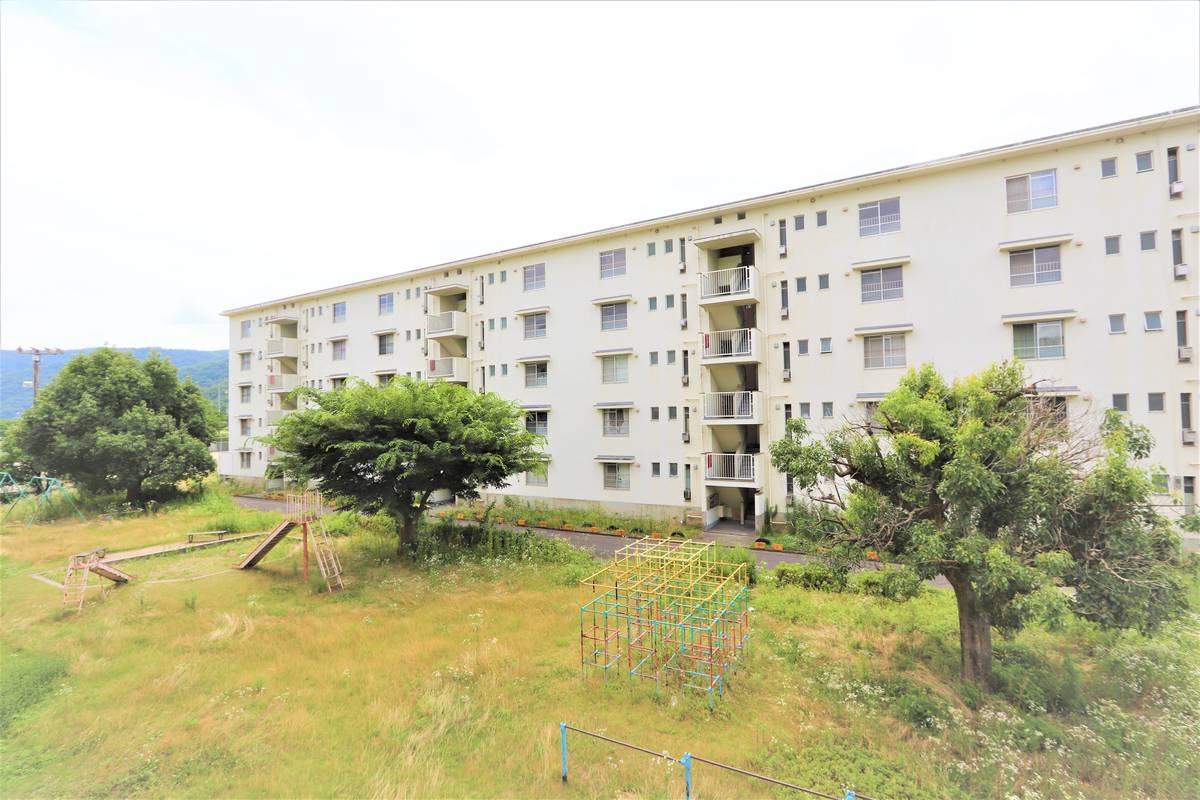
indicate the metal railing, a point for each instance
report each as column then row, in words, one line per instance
column 279, row 347
column 731, row 466
column 620, row 429
column 726, row 282
column 736, row 343
column 283, row 380
column 887, row 223
column 441, row 367
column 884, row 290
column 729, row 405
column 441, row 323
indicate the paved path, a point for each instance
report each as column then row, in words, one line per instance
column 160, row 549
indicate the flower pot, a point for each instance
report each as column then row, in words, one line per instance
column 655, row 535
column 541, row 523
column 619, row 531
column 461, row 516
column 776, row 546
column 593, row 529
column 521, row 521
column 760, row 546
column 499, row 520
column 568, row 526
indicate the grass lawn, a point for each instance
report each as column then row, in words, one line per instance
column 449, row 680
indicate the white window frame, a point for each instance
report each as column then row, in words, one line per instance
column 245, row 460
column 885, row 283
column 244, row 394
column 612, row 263
column 388, row 307
column 1118, row 328
column 1038, row 336
column 892, row 351
column 826, row 340
column 1137, row 161
column 244, row 427
column 1162, row 396
column 1153, row 241
column 1146, row 319
column 616, row 475
column 1110, row 160
column 337, row 350
column 1044, row 266
column 534, row 277
column 244, row 361
column 1113, row 238
column 386, row 345
column 879, row 217
column 339, row 317
column 247, row 328
column 1026, row 200
column 614, row 316
column 614, row 422
column 537, row 374
column 535, row 325
column 614, row 368
column 541, row 422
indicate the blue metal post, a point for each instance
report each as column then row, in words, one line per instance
column 850, row 794
column 687, row 775
column 562, row 730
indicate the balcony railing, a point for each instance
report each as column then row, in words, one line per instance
column 451, row 368
column 274, row 415
column 731, row 467
column 721, row 283
column 283, row 348
column 887, row 223
column 282, row 382
column 616, row 429
column 730, row 405
column 448, row 323
column 737, row 343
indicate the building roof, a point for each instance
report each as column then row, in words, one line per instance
column 962, row 159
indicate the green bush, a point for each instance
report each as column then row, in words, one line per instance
column 1031, row 682
column 924, row 711
column 893, row 584
column 740, row 555
column 25, row 678
column 815, row 575
column 1036, row 733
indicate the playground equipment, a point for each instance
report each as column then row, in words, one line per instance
column 80, row 568
column 306, row 510
column 42, row 486
column 667, row 611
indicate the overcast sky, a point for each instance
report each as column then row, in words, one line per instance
column 160, row 162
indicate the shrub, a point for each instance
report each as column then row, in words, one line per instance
column 1035, row 734
column 924, row 711
column 893, row 584
column 1031, row 682
column 740, row 555
column 815, row 575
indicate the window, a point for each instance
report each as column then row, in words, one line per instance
column 491, row 370
column 1172, row 164
column 503, row 370
column 1108, row 167
column 649, row 248
column 1154, row 321
column 1149, row 240
column 670, row 356
column 534, row 277
column 1145, row 161
column 244, row 394
column 1177, row 246
column 1156, row 401
column 673, row 470
column 787, row 355
column 244, row 427
column 1120, row 402
column 783, row 294
column 672, row 413
column 408, row 335
column 827, row 410
column 537, row 478
column 654, row 358
column 614, row 316
column 655, row 469
column 536, row 373
column 387, row 344
column 492, row 324
column 654, row 413
column 244, row 359
column 535, row 326
column 802, row 347
column 244, row 460
column 882, row 284
column 616, row 422
column 882, row 216
column 614, row 369
column 1112, row 245
column 612, row 263
column 246, row 328
column 1051, row 408
column 491, row 278
column 537, row 422
column 805, row 411
column 408, row 294
column 668, row 245
column 1039, row 340
column 339, row 312
column 782, row 225
column 669, row 301
column 1033, row 191
column 339, row 349
column 338, row 383
column 822, row 219
column 387, row 303
column 798, row 222
column 503, row 323
column 1116, row 323
column 823, row 281
column 504, row 276
column 385, row 378
column 1181, row 337
column 1185, row 410
column 801, row 285
column 826, row 344
column 886, row 350
column 616, row 476
column 652, row 304
column 1040, row 265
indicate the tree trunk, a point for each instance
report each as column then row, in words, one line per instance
column 974, row 633
column 408, row 536
column 133, row 493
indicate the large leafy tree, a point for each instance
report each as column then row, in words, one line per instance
column 1023, row 514
column 110, row 422
column 389, row 448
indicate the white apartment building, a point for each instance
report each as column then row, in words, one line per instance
column 661, row 358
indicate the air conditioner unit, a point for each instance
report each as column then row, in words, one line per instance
column 1176, row 188
column 787, row 376
column 1185, row 354
column 1181, row 271
column 683, row 322
column 687, row 437
column 783, row 250
column 1189, row 437
column 784, row 313
column 684, row 380
column 682, row 267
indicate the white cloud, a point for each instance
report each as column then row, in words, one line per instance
column 162, row 161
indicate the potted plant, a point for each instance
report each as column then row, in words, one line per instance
column 460, row 515
column 759, row 544
column 655, row 535
column 619, row 531
column 776, row 546
column 521, row 521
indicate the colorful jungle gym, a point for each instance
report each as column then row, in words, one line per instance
column 307, row 511
column 669, row 612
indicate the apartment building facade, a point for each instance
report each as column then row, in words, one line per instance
column 661, row 358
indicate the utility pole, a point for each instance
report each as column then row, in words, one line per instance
column 37, row 353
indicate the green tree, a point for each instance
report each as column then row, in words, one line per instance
column 110, row 422
column 979, row 482
column 389, row 448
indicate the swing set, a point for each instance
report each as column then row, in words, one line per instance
column 12, row 492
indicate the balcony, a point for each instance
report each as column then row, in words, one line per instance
column 282, row 382
column 274, row 415
column 446, row 324
column 283, row 348
column 737, row 346
column 453, row 369
column 733, row 408
column 733, row 469
column 734, row 285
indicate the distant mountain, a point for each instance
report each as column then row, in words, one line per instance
column 208, row 368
